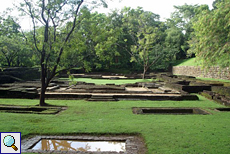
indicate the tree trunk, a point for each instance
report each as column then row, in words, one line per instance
column 42, row 97
column 144, row 72
column 43, row 88
column 43, row 83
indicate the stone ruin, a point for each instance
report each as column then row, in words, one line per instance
column 155, row 90
column 163, row 87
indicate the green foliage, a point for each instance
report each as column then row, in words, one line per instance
column 211, row 36
column 72, row 79
column 93, row 44
column 180, row 28
column 146, row 38
column 130, row 39
column 8, row 25
column 14, row 49
column 214, row 4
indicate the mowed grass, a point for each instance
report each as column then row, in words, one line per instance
column 107, row 81
column 211, row 79
column 186, row 62
column 163, row 134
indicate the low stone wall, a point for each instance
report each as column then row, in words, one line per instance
column 196, row 71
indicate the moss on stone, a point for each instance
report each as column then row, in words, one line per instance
column 221, row 90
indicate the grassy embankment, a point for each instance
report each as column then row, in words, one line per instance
column 195, row 62
column 186, row 62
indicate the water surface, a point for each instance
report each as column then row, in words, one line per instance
column 76, row 145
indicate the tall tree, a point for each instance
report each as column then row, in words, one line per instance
column 12, row 42
column 93, row 43
column 214, row 4
column 52, row 15
column 211, row 41
column 8, row 25
column 122, row 59
column 181, row 22
column 147, row 37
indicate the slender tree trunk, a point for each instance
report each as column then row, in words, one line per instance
column 144, row 72
column 43, row 86
column 42, row 96
column 43, row 80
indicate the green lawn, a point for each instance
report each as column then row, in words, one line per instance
column 194, row 62
column 107, row 81
column 211, row 79
column 186, row 62
column 163, row 134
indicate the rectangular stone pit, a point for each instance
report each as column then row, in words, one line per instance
column 31, row 110
column 84, row 144
column 174, row 111
column 223, row 109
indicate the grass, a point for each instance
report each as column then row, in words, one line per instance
column 211, row 79
column 107, row 81
column 186, row 62
column 163, row 134
column 194, row 62
column 226, row 83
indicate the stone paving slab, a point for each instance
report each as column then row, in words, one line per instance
column 112, row 94
column 136, row 89
column 120, row 77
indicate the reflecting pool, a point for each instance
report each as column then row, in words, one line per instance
column 78, row 145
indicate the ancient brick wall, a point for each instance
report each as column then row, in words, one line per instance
column 196, row 71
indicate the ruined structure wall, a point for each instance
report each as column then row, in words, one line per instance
column 196, row 71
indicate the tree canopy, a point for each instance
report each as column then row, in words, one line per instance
column 211, row 41
column 69, row 34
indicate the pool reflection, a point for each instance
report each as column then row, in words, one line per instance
column 74, row 145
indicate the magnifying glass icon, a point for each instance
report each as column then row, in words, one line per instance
column 9, row 141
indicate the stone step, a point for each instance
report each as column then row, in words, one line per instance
column 101, row 98
column 105, row 97
column 165, row 89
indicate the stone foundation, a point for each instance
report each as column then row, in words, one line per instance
column 196, row 71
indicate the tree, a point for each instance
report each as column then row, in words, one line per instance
column 13, row 46
column 9, row 50
column 147, row 37
column 122, row 58
column 8, row 25
column 214, row 4
column 59, row 19
column 93, row 43
column 211, row 41
column 181, row 22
